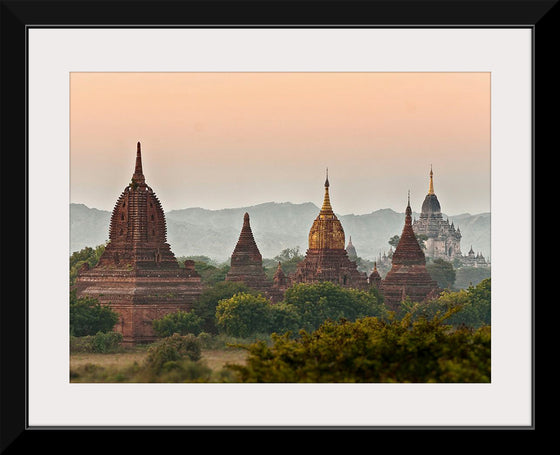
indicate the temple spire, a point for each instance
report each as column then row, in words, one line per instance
column 326, row 208
column 138, row 175
column 431, row 189
column 408, row 218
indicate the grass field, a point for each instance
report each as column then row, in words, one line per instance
column 215, row 359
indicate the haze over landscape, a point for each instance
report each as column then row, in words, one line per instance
column 230, row 140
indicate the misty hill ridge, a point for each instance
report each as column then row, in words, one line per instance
column 276, row 226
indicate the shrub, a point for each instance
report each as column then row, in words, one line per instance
column 180, row 322
column 88, row 316
column 472, row 305
column 373, row 350
column 183, row 371
column 173, row 348
column 283, row 318
column 243, row 315
column 205, row 306
column 318, row 302
column 101, row 342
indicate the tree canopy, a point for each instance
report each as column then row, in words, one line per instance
column 373, row 350
column 88, row 316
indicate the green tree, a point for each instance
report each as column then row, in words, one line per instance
column 317, row 302
column 421, row 238
column 88, row 316
column 394, row 241
column 283, row 318
column 288, row 257
column 372, row 350
column 85, row 255
column 205, row 305
column 181, row 322
column 443, row 272
column 244, row 315
column 471, row 307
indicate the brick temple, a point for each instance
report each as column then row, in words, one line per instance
column 280, row 282
column 408, row 276
column 326, row 259
column 246, row 260
column 138, row 275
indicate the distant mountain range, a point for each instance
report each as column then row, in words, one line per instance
column 276, row 226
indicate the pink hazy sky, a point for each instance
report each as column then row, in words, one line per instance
column 223, row 140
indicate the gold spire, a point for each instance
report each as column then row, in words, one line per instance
column 431, row 190
column 326, row 232
column 326, row 209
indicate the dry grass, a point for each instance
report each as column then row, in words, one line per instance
column 214, row 358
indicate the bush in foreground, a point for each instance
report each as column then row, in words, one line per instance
column 172, row 349
column 373, row 350
column 101, row 342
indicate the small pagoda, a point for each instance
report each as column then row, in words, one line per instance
column 280, row 282
column 138, row 275
column 374, row 278
column 408, row 276
column 351, row 250
column 246, row 260
column 326, row 258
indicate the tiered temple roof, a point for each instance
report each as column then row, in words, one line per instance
column 246, row 260
column 138, row 274
column 408, row 275
column 326, row 258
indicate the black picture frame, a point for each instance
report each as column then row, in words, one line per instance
column 19, row 16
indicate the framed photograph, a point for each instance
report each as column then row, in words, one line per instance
column 218, row 113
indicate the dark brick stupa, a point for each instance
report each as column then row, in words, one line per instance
column 246, row 260
column 138, row 275
column 280, row 282
column 408, row 275
column 374, row 277
column 326, row 258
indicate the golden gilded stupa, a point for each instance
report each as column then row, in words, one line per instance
column 327, row 231
column 326, row 258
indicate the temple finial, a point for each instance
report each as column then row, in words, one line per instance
column 138, row 176
column 431, row 189
column 326, row 208
column 408, row 212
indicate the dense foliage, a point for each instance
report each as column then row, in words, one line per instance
column 443, row 272
column 101, row 342
column 181, row 322
column 315, row 303
column 305, row 306
column 86, row 255
column 472, row 304
column 173, row 348
column 243, row 315
column 373, row 350
column 88, row 316
column 206, row 304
